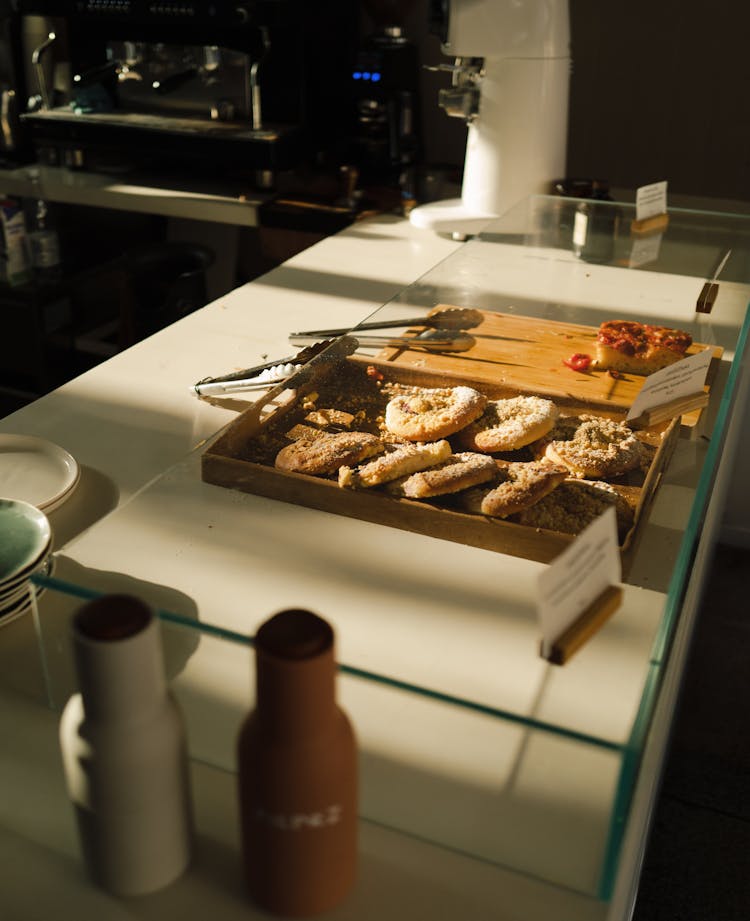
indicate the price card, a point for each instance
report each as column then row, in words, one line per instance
column 577, row 577
column 650, row 200
column 645, row 250
column 681, row 379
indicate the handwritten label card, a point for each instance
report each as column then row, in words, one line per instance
column 577, row 577
column 650, row 200
column 645, row 250
column 681, row 379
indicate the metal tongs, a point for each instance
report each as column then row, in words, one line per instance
column 259, row 377
column 445, row 333
column 431, row 340
column 444, row 318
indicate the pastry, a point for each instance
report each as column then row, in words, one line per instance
column 575, row 504
column 457, row 472
column 325, row 453
column 638, row 348
column 591, row 446
column 521, row 484
column 304, row 432
column 325, row 417
column 400, row 461
column 509, row 424
column 430, row 414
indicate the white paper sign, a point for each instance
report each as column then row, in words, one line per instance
column 645, row 250
column 651, row 200
column 681, row 379
column 577, row 577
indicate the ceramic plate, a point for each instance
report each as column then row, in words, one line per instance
column 35, row 470
column 11, row 610
column 14, row 610
column 10, row 586
column 25, row 536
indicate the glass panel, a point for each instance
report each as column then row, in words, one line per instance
column 468, row 738
column 463, row 775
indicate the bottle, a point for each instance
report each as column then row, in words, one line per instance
column 15, row 255
column 297, row 773
column 45, row 245
column 124, row 751
column 595, row 226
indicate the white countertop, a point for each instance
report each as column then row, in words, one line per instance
column 142, row 520
column 217, row 201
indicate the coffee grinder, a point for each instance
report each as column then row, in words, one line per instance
column 509, row 82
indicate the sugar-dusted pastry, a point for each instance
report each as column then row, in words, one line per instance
column 520, row 485
column 639, row 348
column 430, row 414
column 325, row 453
column 591, row 446
column 457, row 472
column 399, row 461
column 509, row 424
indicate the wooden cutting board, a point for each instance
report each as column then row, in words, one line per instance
column 527, row 354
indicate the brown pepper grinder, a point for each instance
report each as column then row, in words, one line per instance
column 297, row 772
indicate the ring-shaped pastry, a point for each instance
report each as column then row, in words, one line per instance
column 429, row 414
column 510, row 424
column 591, row 446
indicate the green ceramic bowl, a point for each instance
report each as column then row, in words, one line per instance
column 25, row 535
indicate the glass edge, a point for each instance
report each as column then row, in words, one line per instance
column 221, row 633
column 633, row 750
column 686, row 552
column 629, row 768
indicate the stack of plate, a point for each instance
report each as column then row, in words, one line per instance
column 37, row 471
column 25, row 548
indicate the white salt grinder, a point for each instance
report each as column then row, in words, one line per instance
column 124, row 751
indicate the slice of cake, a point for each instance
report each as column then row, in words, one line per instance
column 638, row 348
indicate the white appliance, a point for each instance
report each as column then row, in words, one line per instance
column 510, row 82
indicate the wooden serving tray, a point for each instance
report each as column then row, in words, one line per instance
column 242, row 458
column 527, row 353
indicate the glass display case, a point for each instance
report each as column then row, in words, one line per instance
column 468, row 737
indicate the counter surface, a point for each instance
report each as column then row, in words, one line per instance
column 142, row 519
column 216, row 202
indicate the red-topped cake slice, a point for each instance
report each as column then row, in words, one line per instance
column 638, row 348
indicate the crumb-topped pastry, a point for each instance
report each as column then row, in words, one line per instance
column 401, row 461
column 428, row 414
column 591, row 446
column 639, row 348
column 456, row 473
column 574, row 505
column 510, row 424
column 325, row 453
column 521, row 484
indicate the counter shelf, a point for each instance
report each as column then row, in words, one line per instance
column 468, row 738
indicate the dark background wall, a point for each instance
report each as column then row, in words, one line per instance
column 659, row 90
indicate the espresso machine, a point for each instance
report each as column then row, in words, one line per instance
column 386, row 141
column 253, row 87
column 509, row 82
